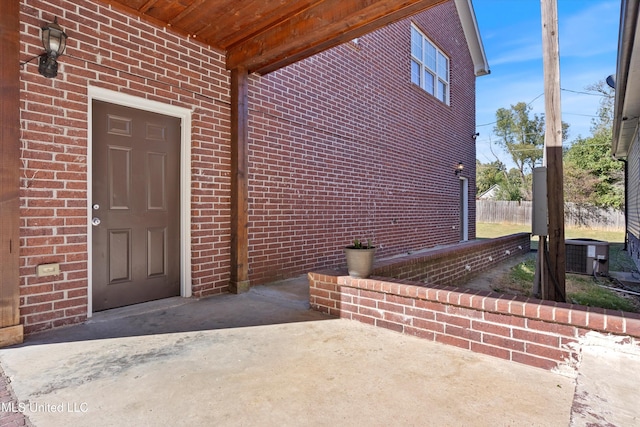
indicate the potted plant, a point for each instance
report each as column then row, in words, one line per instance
column 360, row 258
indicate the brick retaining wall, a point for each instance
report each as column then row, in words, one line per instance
column 447, row 265
column 538, row 333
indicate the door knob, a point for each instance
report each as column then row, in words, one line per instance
column 95, row 221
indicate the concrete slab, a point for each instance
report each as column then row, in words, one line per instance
column 607, row 384
column 263, row 358
column 311, row 373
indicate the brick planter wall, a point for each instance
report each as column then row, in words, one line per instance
column 533, row 332
column 446, row 265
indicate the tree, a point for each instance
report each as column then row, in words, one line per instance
column 592, row 176
column 511, row 189
column 488, row 175
column 522, row 136
column 509, row 182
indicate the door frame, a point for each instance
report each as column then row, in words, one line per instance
column 184, row 114
column 464, row 208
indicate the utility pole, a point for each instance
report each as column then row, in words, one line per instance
column 554, row 283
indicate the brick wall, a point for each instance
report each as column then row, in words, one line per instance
column 447, row 265
column 112, row 50
column 342, row 146
column 543, row 334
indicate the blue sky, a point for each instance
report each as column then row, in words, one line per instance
column 511, row 32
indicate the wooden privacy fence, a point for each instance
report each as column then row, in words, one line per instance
column 501, row 211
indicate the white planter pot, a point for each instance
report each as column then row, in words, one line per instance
column 360, row 261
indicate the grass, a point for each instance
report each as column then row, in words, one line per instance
column 519, row 281
column 585, row 291
column 492, row 230
column 489, row 231
column 580, row 289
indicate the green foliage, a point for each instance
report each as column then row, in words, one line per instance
column 488, row 175
column 592, row 295
column 357, row 244
column 495, row 173
column 522, row 136
column 512, row 188
column 524, row 271
column 581, row 289
column 592, row 176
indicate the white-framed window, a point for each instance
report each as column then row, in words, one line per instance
column 429, row 66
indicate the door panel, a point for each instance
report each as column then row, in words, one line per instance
column 119, row 176
column 136, row 189
column 156, row 180
column 119, row 255
column 157, row 244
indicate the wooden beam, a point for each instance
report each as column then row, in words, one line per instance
column 554, row 287
column 10, row 330
column 239, row 280
column 325, row 25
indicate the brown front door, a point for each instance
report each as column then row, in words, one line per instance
column 136, row 206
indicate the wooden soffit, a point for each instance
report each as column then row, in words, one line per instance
column 265, row 35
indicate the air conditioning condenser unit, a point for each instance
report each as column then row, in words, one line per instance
column 586, row 256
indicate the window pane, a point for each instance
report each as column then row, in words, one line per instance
column 443, row 66
column 416, row 44
column 430, row 57
column 442, row 91
column 428, row 82
column 429, row 66
column 415, row 72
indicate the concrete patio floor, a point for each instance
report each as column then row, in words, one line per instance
column 263, row 358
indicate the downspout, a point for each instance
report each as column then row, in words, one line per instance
column 626, row 204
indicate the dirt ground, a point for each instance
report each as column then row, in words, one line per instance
column 486, row 280
column 498, row 280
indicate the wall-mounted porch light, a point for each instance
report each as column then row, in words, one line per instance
column 54, row 41
column 459, row 168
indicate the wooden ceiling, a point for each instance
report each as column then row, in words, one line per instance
column 264, row 35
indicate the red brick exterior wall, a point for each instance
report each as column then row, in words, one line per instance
column 342, row 145
column 543, row 334
column 109, row 49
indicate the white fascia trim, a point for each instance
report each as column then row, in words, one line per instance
column 472, row 34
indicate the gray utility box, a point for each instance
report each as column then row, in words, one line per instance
column 586, row 256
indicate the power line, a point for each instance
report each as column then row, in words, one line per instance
column 570, row 114
column 577, row 114
column 588, row 93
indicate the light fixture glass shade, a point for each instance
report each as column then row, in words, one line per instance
column 54, row 39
